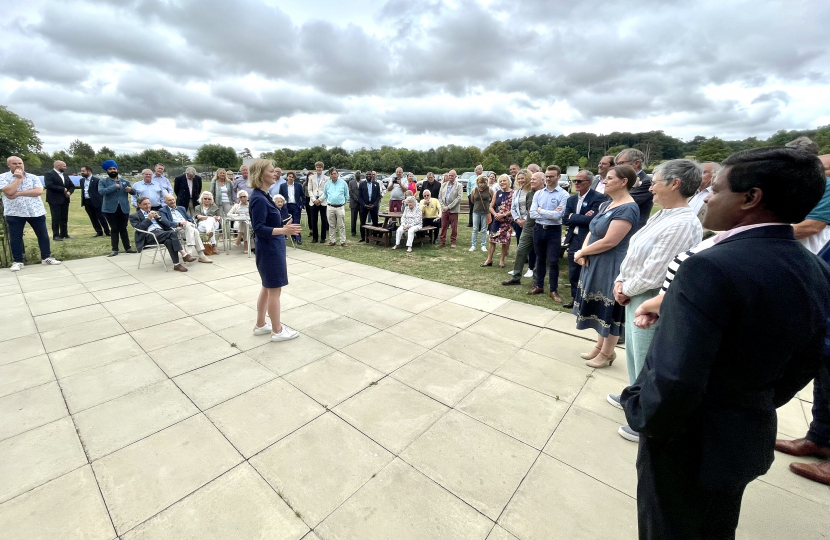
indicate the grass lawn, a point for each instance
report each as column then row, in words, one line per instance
column 456, row 267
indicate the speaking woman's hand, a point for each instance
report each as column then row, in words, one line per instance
column 290, row 229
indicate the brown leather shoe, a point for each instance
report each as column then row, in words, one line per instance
column 179, row 268
column 511, row 282
column 536, row 290
column 817, row 472
column 801, row 448
column 555, row 297
column 188, row 258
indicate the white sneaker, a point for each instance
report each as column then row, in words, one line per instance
column 472, row 248
column 510, row 273
column 529, row 273
column 50, row 261
column 484, row 249
column 262, row 330
column 286, row 334
column 16, row 267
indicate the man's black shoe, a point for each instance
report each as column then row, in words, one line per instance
column 569, row 305
column 57, row 239
column 97, row 235
column 131, row 250
column 112, row 254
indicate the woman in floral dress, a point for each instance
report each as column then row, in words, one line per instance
column 501, row 228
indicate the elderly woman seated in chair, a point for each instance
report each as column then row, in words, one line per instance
column 208, row 221
column 411, row 223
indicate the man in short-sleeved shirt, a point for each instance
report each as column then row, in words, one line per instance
column 22, row 204
column 814, row 232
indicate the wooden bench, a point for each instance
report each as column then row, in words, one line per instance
column 378, row 235
column 423, row 235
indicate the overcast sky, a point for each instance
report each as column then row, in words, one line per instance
column 267, row 74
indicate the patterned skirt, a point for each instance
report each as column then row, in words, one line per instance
column 594, row 305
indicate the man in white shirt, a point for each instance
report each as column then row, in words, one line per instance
column 21, row 205
column 186, row 230
column 698, row 201
column 604, row 165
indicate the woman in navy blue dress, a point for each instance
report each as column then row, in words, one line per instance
column 269, row 233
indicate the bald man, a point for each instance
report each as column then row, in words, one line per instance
column 58, row 189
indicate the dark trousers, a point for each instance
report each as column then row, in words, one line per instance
column 354, row 213
column 370, row 213
column 573, row 272
column 547, row 243
column 118, row 227
column 96, row 217
column 430, row 222
column 315, row 212
column 60, row 219
column 294, row 210
column 470, row 211
column 671, row 504
column 820, row 426
column 170, row 240
column 38, row 224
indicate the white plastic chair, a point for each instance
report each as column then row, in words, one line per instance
column 158, row 248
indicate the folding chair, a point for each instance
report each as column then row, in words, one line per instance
column 158, row 247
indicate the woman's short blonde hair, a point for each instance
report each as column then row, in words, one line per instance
column 481, row 180
column 503, row 176
column 256, row 170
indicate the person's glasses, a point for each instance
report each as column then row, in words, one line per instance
column 579, row 181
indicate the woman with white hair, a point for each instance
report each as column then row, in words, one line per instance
column 411, row 223
column 208, row 221
column 240, row 214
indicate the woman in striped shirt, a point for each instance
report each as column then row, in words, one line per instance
column 672, row 230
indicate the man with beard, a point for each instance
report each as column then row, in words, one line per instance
column 58, row 190
column 91, row 202
column 115, row 205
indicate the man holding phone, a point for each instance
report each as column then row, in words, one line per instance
column 22, row 204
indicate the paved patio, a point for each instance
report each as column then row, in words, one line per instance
column 137, row 404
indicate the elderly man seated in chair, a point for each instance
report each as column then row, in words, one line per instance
column 185, row 226
column 146, row 219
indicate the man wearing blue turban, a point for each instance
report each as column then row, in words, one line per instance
column 115, row 206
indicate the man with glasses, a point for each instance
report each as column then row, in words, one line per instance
column 579, row 211
column 641, row 192
column 547, row 209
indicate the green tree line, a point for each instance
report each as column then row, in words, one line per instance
column 18, row 136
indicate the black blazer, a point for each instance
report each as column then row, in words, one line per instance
column 741, row 330
column 643, row 197
column 299, row 194
column 55, row 185
column 363, row 194
column 139, row 222
column 94, row 197
column 572, row 219
column 183, row 196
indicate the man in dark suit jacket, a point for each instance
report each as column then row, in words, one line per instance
column 354, row 203
column 368, row 203
column 294, row 208
column 146, row 219
column 578, row 215
column 640, row 193
column 188, row 189
column 58, row 189
column 727, row 351
column 91, row 202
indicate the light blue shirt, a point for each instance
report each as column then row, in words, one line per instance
column 152, row 191
column 164, row 184
column 176, row 215
column 275, row 189
column 369, row 189
column 549, row 201
column 155, row 224
column 336, row 193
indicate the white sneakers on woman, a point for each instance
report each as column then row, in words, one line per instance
column 286, row 334
column 262, row 330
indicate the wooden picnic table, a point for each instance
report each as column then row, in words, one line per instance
column 389, row 216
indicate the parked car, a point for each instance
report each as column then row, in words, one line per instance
column 347, row 176
column 565, row 183
column 466, row 177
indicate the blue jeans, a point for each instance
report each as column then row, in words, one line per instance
column 16, row 225
column 547, row 243
column 480, row 226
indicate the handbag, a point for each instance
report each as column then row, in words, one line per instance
column 489, row 215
